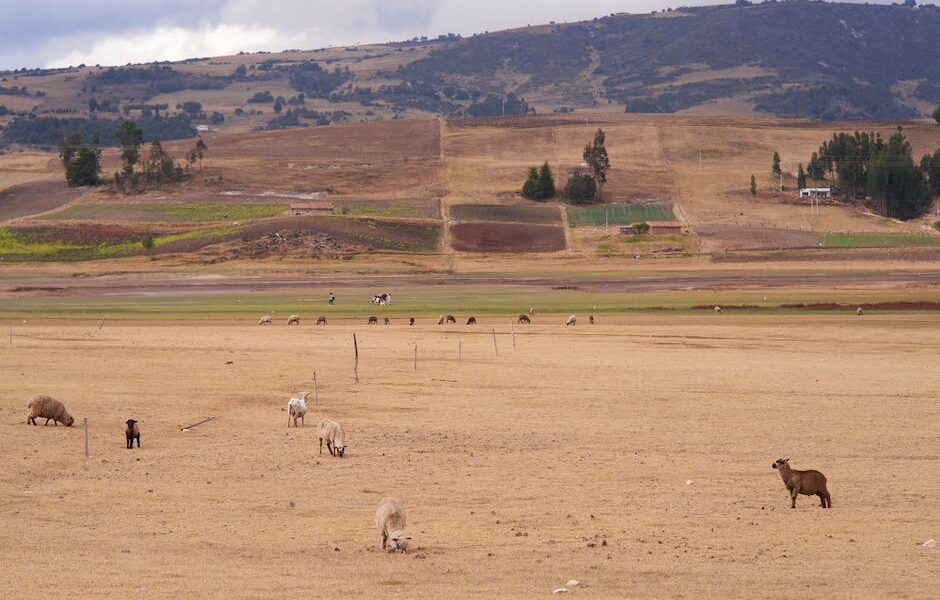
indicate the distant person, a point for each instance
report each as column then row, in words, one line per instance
column 331, row 298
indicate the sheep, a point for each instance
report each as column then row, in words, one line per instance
column 591, row 320
column 808, row 483
column 411, row 321
column 440, row 321
column 50, row 409
column 524, row 319
column 572, row 320
column 387, row 322
column 265, row 320
column 332, row 433
column 373, row 320
column 472, row 321
column 859, row 311
column 390, row 521
column 297, row 408
column 132, row 433
column 531, row 311
column 321, row 320
column 451, row 319
column 293, row 320
column 718, row 310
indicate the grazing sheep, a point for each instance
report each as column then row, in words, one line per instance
column 808, row 483
column 265, row 320
column 331, row 299
column 390, row 521
column 387, row 322
column 524, row 319
column 48, row 408
column 591, row 320
column 373, row 320
column 451, row 319
column 472, row 321
column 572, row 320
column 859, row 311
column 332, row 433
column 321, row 320
column 411, row 321
column 440, row 321
column 297, row 408
column 718, row 310
column 293, row 320
column 132, row 433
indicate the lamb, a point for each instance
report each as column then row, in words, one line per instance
column 132, row 433
column 321, row 320
column 451, row 319
column 859, row 311
column 472, row 321
column 48, row 408
column 332, row 433
column 293, row 320
column 808, row 483
column 411, row 321
column 572, row 320
column 524, row 319
column 390, row 521
column 718, row 310
column 296, row 409
column 265, row 320
column 373, row 320
column 387, row 322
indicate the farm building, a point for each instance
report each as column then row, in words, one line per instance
column 816, row 193
column 309, row 209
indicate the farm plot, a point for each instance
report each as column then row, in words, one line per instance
column 507, row 237
column 516, row 213
column 367, row 234
column 35, row 197
column 618, row 214
column 167, row 212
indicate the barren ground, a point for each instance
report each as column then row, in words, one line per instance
column 633, row 455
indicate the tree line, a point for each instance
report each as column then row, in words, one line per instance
column 582, row 186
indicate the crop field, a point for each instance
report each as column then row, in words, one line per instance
column 516, row 213
column 506, row 237
column 394, row 235
column 876, row 240
column 598, row 453
column 618, row 214
column 182, row 212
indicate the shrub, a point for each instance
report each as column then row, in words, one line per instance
column 643, row 227
column 147, row 242
column 580, row 188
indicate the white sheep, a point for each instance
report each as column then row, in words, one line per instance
column 859, row 311
column 718, row 310
column 332, row 433
column 48, row 408
column 572, row 320
column 265, row 320
column 390, row 521
column 297, row 408
column 293, row 320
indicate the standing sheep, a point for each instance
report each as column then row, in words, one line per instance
column 296, row 409
column 332, row 433
column 808, row 483
column 387, row 322
column 718, row 310
column 572, row 320
column 48, row 408
column 132, row 433
column 321, row 320
column 390, row 521
column 859, row 311
column 293, row 320
column 265, row 320
column 472, row 321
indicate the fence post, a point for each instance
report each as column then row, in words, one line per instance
column 356, row 348
column 495, row 347
column 85, row 425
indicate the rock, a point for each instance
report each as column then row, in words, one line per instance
column 560, row 591
column 928, row 544
column 573, row 583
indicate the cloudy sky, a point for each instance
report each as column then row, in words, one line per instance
column 55, row 33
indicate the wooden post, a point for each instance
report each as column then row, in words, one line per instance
column 85, row 425
column 11, row 334
column 416, row 357
column 101, row 324
column 314, row 389
column 495, row 347
column 512, row 330
column 458, row 351
column 356, row 348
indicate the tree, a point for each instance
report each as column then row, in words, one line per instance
column 84, row 167
column 160, row 167
column 815, row 169
column 130, row 137
column 753, row 186
column 936, row 115
column 530, row 189
column 800, row 177
column 200, row 151
column 581, row 188
column 848, row 157
column 240, row 72
column 930, row 166
column 192, row 108
column 896, row 185
column 68, row 146
column 595, row 156
column 546, row 182
column 92, row 104
column 279, row 104
column 775, row 166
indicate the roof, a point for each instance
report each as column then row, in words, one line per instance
column 312, row 206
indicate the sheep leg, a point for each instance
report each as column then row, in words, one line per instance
column 130, row 443
column 321, row 445
column 330, row 448
column 138, row 441
column 793, row 494
column 384, row 539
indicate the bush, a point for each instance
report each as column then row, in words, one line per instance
column 147, row 242
column 580, row 189
column 261, row 98
column 643, row 227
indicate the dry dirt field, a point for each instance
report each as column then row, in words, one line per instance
column 633, row 455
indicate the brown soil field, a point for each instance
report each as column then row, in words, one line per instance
column 514, row 213
column 506, row 237
column 633, row 456
column 35, row 197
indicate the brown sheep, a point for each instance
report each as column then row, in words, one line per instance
column 132, row 433
column 472, row 321
column 321, row 320
column 524, row 319
column 373, row 320
column 591, row 320
column 50, row 409
column 387, row 322
column 451, row 319
column 808, row 483
column 411, row 321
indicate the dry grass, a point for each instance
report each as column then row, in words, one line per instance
column 515, row 471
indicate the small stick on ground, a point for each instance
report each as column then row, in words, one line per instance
column 356, row 366
column 188, row 427
column 495, row 347
column 416, row 357
column 85, row 426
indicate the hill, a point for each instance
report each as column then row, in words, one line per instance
column 793, row 59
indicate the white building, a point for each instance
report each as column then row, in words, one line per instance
column 816, row 193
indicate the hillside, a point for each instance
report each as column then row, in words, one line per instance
column 792, row 59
